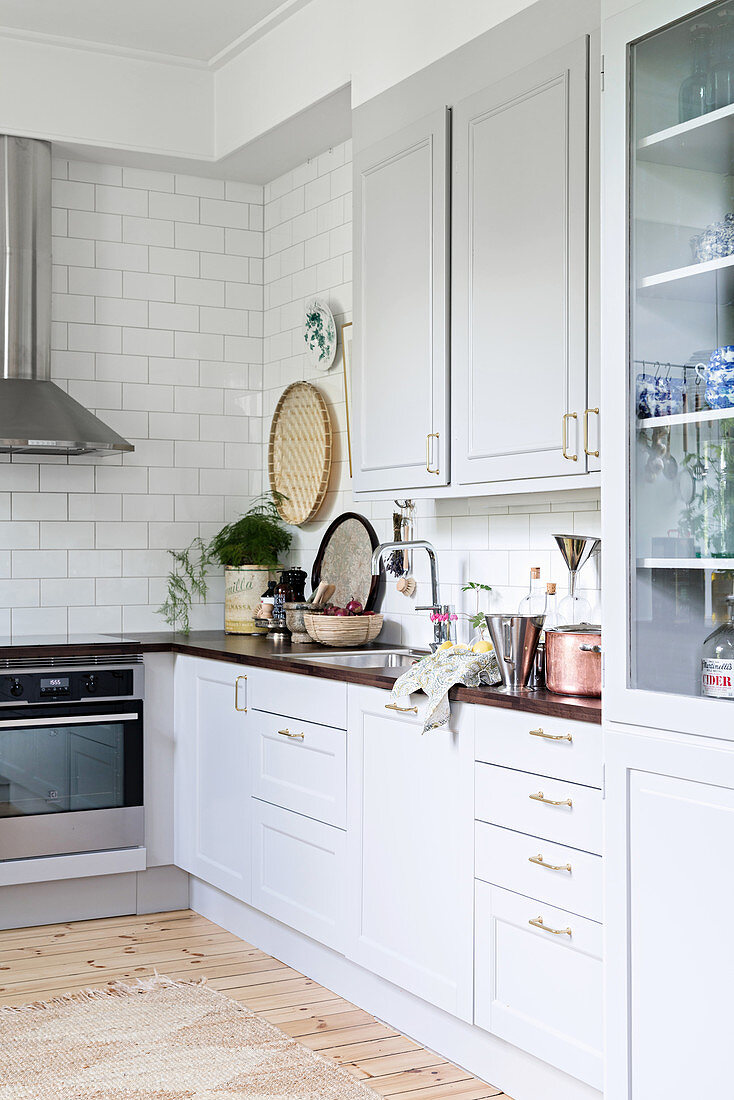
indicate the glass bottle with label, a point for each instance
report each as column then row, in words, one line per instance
column 717, row 659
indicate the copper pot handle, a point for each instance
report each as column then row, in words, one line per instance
column 590, row 648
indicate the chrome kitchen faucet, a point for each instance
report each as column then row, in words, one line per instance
column 441, row 630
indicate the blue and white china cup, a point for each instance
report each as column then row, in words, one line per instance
column 718, row 374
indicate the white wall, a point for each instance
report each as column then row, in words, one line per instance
column 308, row 215
column 157, row 315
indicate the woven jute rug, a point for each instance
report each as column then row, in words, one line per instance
column 158, row 1040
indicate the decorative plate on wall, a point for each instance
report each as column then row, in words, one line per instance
column 299, row 455
column 319, row 332
column 345, row 560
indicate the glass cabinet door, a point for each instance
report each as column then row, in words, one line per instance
column 681, row 351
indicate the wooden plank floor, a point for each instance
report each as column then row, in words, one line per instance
column 40, row 963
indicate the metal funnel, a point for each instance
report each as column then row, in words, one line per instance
column 576, row 549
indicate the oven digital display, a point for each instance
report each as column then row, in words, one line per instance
column 55, row 685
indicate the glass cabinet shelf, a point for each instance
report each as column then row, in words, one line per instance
column 701, row 416
column 712, row 281
column 686, row 563
column 680, row 345
column 708, row 139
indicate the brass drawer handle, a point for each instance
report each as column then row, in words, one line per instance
column 237, row 706
column 429, row 437
column 295, row 736
column 550, row 736
column 538, row 923
column 551, row 866
column 564, row 436
column 591, row 454
column 402, row 710
column 540, row 797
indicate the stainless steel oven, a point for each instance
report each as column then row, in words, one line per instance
column 71, row 756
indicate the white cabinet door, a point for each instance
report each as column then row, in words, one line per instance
column 519, row 274
column 298, row 872
column 669, row 904
column 539, row 981
column 212, row 787
column 400, row 370
column 410, row 850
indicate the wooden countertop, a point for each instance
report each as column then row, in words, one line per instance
column 259, row 651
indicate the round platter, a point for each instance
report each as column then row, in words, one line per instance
column 319, row 332
column 344, row 559
column 299, row 455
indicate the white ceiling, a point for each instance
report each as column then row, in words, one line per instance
column 196, row 30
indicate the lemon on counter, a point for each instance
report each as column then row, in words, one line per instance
column 482, row 647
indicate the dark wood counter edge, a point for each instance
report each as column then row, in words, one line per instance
column 217, row 646
column 571, row 708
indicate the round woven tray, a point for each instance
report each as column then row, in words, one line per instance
column 299, row 455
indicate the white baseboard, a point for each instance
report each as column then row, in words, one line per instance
column 520, row 1075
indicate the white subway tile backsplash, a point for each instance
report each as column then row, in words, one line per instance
column 198, row 345
column 173, row 261
column 171, row 372
column 195, row 185
column 95, row 173
column 147, row 231
column 235, row 269
column 95, row 563
column 147, row 397
column 174, row 316
column 179, row 208
column 75, row 535
column 200, row 292
column 147, row 180
column 217, row 212
column 122, row 311
column 95, row 506
column 67, row 591
column 121, row 200
column 243, row 242
column 95, row 280
column 150, row 287
column 122, row 368
column 147, row 341
column 238, row 191
column 38, row 563
column 95, row 227
column 125, row 257
column 199, row 237
column 31, row 621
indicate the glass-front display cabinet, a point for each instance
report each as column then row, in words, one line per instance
column 669, row 367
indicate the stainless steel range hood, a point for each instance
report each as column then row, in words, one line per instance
column 36, row 416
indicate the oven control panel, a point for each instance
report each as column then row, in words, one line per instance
column 58, row 686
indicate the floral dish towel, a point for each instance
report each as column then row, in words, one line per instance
column 437, row 673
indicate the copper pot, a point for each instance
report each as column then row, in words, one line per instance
column 573, row 660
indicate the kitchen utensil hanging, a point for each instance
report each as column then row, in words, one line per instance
column 300, row 452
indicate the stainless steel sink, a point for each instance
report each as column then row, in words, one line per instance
column 362, row 658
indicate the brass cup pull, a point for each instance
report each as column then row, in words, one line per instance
column 591, row 454
column 402, row 710
column 429, row 437
column 550, row 736
column 294, row 736
column 551, row 866
column 564, row 436
column 237, row 706
column 538, row 923
column 540, row 797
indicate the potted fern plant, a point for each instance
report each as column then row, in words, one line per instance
column 249, row 549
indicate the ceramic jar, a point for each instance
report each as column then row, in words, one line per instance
column 242, row 588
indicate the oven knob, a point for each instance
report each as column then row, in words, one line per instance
column 16, row 688
column 91, row 684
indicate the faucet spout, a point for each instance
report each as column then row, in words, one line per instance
column 441, row 630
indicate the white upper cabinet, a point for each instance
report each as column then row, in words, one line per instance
column 519, row 275
column 400, row 372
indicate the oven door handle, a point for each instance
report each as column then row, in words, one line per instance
column 66, row 720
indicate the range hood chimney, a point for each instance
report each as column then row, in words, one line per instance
column 36, row 416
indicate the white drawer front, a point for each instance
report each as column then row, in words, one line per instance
column 539, row 990
column 535, row 743
column 511, row 799
column 300, row 766
column 539, row 869
column 298, row 872
column 307, row 697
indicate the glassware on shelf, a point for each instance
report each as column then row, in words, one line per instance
column 534, row 602
column 717, row 659
column 721, row 72
column 576, row 550
column 708, row 516
column 693, row 97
